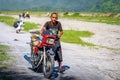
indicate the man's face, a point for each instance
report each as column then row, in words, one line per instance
column 54, row 18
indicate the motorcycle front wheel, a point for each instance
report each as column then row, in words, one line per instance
column 48, row 65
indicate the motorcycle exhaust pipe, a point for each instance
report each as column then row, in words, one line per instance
column 28, row 59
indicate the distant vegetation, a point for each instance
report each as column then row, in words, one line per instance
column 73, row 36
column 61, row 5
column 109, row 18
column 106, row 6
column 3, row 55
column 10, row 21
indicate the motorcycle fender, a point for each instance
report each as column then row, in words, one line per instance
column 51, row 52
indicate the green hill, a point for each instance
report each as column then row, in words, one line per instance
column 106, row 6
column 62, row 5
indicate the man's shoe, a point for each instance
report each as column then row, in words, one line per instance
column 17, row 31
column 61, row 70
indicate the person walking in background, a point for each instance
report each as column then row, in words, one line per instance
column 27, row 14
column 18, row 25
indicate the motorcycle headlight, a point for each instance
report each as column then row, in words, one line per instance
column 50, row 41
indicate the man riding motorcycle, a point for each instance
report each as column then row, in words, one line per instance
column 56, row 28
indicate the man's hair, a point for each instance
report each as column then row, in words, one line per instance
column 54, row 13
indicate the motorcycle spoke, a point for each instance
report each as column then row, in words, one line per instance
column 47, row 65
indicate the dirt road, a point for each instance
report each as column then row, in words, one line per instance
column 82, row 63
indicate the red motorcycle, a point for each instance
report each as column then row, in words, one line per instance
column 42, row 55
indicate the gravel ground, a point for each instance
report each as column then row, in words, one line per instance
column 82, row 63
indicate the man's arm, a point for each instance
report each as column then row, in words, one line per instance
column 60, row 34
column 42, row 30
column 60, row 30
